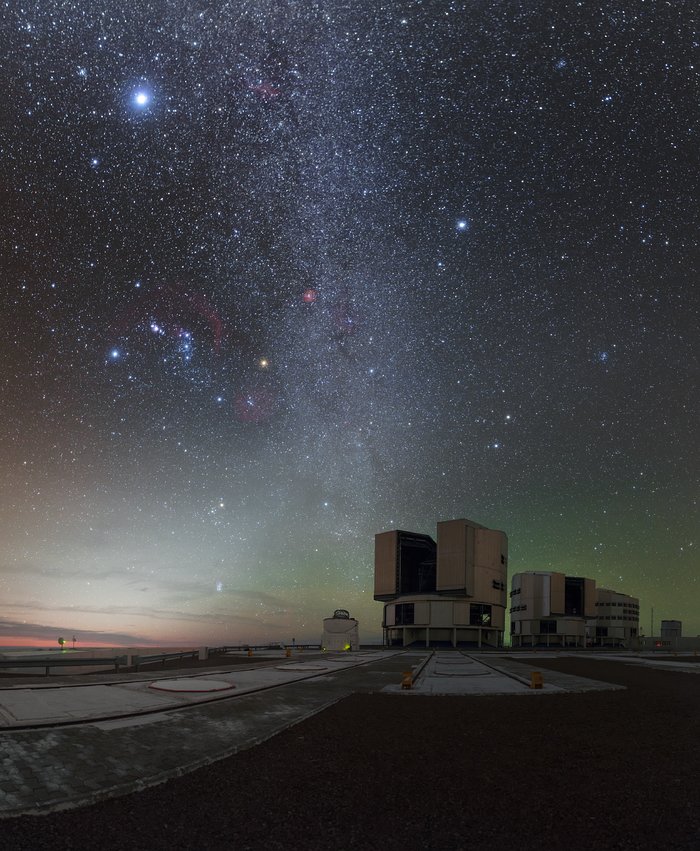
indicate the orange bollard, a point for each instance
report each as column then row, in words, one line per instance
column 536, row 679
column 287, row 652
column 407, row 681
column 250, row 652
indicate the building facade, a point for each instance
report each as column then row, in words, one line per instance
column 550, row 609
column 616, row 619
column 449, row 593
column 671, row 630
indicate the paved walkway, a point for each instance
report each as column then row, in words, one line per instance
column 161, row 734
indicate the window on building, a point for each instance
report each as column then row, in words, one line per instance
column 573, row 595
column 601, row 632
column 404, row 614
column 416, row 564
column 548, row 626
column 479, row 615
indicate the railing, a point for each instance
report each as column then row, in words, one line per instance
column 135, row 661
column 130, row 661
column 278, row 646
column 63, row 662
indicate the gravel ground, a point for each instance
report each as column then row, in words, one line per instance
column 600, row 770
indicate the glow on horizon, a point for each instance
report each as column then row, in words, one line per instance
column 46, row 644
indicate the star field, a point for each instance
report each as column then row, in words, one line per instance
column 278, row 276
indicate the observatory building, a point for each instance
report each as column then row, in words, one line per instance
column 452, row 593
column 551, row 609
column 340, row 632
column 671, row 629
column 617, row 619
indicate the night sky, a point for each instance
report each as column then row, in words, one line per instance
column 277, row 276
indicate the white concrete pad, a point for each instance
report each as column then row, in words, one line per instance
column 450, row 674
column 47, row 705
column 191, row 684
column 132, row 721
column 62, row 704
column 307, row 667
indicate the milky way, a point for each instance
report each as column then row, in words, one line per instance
column 281, row 275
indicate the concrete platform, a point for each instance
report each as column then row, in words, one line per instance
column 62, row 703
column 64, row 746
column 191, row 684
column 447, row 672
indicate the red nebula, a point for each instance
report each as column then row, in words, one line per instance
column 174, row 308
column 309, row 296
column 265, row 91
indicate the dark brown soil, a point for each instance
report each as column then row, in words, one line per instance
column 600, row 770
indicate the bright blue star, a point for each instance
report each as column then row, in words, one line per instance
column 463, row 225
column 114, row 354
column 141, row 98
